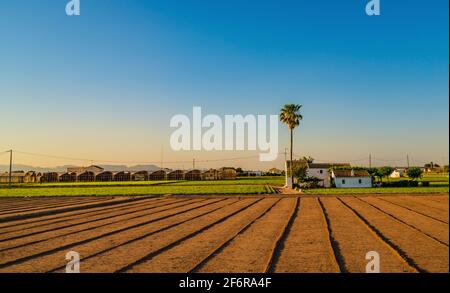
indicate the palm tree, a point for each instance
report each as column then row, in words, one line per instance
column 290, row 116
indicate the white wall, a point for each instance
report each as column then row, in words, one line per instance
column 353, row 182
column 397, row 174
column 325, row 175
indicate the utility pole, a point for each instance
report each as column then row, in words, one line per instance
column 370, row 160
column 10, row 167
column 193, row 163
column 407, row 161
column 162, row 156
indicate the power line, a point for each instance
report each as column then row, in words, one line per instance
column 132, row 162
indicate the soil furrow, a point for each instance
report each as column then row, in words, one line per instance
column 434, row 229
column 36, row 239
column 408, row 202
column 23, row 225
column 161, row 238
column 250, row 251
column 307, row 247
column 98, row 220
column 421, row 252
column 47, row 247
column 48, row 201
column 191, row 253
column 55, row 261
column 364, row 239
column 412, row 210
column 49, row 205
column 429, row 203
column 281, row 238
column 35, row 214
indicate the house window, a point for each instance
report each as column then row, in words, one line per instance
column 321, row 171
column 343, row 181
column 360, row 181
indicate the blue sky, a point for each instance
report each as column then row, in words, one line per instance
column 104, row 85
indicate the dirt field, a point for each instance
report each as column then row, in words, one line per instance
column 226, row 234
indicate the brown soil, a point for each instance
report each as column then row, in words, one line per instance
column 436, row 204
column 251, row 251
column 63, row 241
column 24, row 214
column 419, row 207
column 85, row 223
column 24, row 204
column 426, row 225
column 352, row 244
column 189, row 254
column 280, row 233
column 45, row 221
column 421, row 251
column 128, row 233
column 37, row 207
column 307, row 247
column 142, row 248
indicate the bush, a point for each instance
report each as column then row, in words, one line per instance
column 425, row 183
column 413, row 184
column 401, row 183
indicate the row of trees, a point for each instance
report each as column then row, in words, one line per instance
column 379, row 173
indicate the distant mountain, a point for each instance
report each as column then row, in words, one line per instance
column 114, row 168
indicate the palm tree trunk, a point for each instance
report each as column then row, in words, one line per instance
column 292, row 175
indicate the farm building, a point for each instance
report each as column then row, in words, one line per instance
column 50, row 177
column 176, row 175
column 398, row 173
column 68, row 177
column 211, row 174
column 158, row 175
column 16, row 177
column 122, row 176
column 79, row 170
column 351, row 178
column 193, row 175
column 274, row 171
column 30, row 177
column 139, row 176
column 87, row 176
column 322, row 171
column 38, row 177
column 104, row 176
column 227, row 173
column 254, row 173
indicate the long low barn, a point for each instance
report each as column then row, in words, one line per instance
column 98, row 175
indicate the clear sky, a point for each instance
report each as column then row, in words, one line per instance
column 104, row 85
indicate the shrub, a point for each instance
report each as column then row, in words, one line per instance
column 413, row 184
column 425, row 183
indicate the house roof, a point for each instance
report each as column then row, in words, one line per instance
column 13, row 174
column 342, row 173
column 361, row 173
column 326, row 165
column 349, row 173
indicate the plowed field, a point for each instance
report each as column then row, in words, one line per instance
column 226, row 234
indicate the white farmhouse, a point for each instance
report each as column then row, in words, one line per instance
column 351, row 178
column 322, row 171
column 397, row 173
